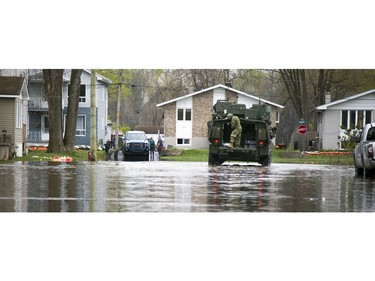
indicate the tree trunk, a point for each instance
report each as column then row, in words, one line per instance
column 73, row 104
column 53, row 79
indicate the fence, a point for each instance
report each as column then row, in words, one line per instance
column 6, row 147
column 307, row 141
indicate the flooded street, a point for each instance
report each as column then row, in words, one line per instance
column 181, row 187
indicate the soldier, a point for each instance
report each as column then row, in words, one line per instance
column 235, row 136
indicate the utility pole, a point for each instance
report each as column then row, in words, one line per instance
column 119, row 94
column 93, row 144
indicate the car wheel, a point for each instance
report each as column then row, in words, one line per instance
column 358, row 171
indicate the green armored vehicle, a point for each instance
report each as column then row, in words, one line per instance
column 255, row 138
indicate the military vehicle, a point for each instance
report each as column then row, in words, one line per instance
column 255, row 139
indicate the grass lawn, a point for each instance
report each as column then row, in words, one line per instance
column 189, row 155
column 278, row 156
column 201, row 155
column 284, row 156
column 80, row 155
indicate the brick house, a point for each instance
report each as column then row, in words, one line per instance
column 186, row 117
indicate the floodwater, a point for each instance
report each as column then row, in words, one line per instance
column 164, row 186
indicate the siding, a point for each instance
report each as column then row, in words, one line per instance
column 7, row 115
column 331, row 129
column 219, row 94
column 183, row 127
column 84, row 140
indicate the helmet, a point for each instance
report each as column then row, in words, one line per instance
column 230, row 115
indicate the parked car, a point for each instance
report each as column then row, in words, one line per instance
column 136, row 146
column 364, row 154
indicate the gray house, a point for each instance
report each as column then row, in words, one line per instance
column 349, row 113
column 38, row 131
column 186, row 117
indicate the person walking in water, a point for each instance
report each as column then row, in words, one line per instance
column 152, row 148
column 235, row 136
column 160, row 146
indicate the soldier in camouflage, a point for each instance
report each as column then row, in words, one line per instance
column 235, row 136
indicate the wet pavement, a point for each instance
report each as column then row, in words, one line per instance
column 163, row 186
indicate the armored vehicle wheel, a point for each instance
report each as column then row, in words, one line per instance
column 265, row 160
column 213, row 160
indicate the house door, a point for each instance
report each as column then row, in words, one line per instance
column 44, row 128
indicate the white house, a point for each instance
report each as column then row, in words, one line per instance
column 348, row 113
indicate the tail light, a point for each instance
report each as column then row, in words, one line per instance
column 370, row 151
column 216, row 141
column 261, row 143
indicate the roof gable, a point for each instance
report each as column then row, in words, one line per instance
column 224, row 87
column 99, row 78
column 13, row 87
column 345, row 100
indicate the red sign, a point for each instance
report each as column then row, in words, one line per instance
column 302, row 129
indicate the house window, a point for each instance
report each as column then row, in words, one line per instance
column 184, row 114
column 368, row 116
column 19, row 115
column 82, row 93
column 81, row 125
column 351, row 119
column 45, row 124
column 183, row 141
column 188, row 114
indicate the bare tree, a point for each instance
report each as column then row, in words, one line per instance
column 73, row 103
column 295, row 83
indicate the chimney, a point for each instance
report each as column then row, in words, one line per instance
column 228, row 84
column 328, row 97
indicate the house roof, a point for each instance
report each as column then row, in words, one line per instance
column 325, row 106
column 12, row 87
column 99, row 77
column 220, row 86
column 66, row 77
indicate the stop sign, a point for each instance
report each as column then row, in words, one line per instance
column 302, row 129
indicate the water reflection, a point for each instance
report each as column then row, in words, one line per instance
column 181, row 187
